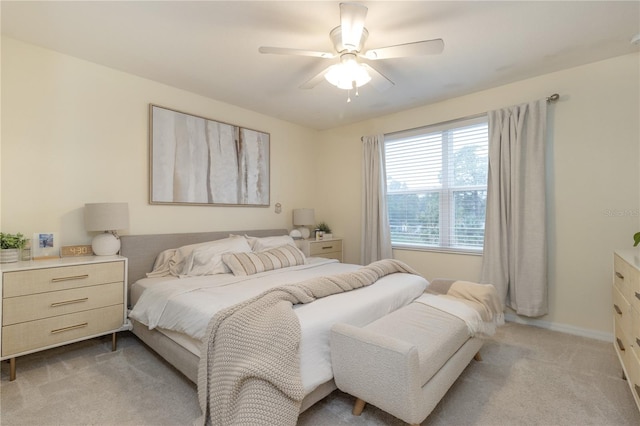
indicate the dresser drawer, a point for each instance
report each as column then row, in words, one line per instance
column 38, row 334
column 45, row 305
column 621, row 272
column 626, row 278
column 633, row 371
column 634, row 332
column 25, row 282
column 622, row 343
column 320, row 248
column 621, row 309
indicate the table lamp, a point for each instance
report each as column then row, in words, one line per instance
column 106, row 217
column 304, row 218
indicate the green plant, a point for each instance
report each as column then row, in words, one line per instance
column 636, row 239
column 12, row 241
column 322, row 226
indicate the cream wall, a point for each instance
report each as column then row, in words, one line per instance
column 75, row 132
column 593, row 183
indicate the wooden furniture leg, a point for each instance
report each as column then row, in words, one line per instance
column 114, row 342
column 358, row 407
column 12, row 369
column 477, row 357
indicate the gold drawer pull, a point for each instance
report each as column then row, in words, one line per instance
column 68, row 302
column 620, row 345
column 619, row 275
column 617, row 308
column 71, row 327
column 327, row 247
column 75, row 277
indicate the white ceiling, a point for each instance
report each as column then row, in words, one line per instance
column 211, row 47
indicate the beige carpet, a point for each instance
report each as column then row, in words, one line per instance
column 529, row 376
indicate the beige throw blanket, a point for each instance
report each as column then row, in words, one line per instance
column 249, row 372
column 477, row 304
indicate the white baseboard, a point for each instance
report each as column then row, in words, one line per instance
column 563, row 328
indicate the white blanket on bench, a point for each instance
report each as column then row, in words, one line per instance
column 478, row 305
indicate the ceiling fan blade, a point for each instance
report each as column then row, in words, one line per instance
column 378, row 80
column 417, row 48
column 297, row 52
column 352, row 16
column 315, row 80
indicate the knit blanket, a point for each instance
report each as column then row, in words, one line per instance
column 249, row 371
column 478, row 305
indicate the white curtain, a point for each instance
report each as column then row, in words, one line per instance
column 376, row 238
column 515, row 242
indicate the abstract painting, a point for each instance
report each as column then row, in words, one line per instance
column 198, row 161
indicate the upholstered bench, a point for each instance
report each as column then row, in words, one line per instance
column 404, row 362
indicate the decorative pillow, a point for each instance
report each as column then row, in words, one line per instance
column 267, row 260
column 161, row 264
column 207, row 259
column 265, row 243
column 173, row 261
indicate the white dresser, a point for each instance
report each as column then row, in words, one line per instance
column 49, row 303
column 626, row 313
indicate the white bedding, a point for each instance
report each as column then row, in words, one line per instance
column 186, row 305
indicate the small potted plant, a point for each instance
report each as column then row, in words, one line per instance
column 10, row 246
column 325, row 229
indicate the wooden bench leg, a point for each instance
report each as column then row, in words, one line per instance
column 477, row 357
column 358, row 407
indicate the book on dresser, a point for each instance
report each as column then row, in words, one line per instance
column 626, row 314
column 50, row 303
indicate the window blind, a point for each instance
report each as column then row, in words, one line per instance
column 437, row 185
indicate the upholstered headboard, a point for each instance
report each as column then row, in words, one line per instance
column 141, row 250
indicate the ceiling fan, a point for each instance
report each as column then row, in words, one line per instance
column 348, row 41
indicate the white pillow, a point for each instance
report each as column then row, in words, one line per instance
column 254, row 262
column 161, row 264
column 207, row 259
column 265, row 243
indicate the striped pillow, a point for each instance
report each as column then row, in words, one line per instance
column 267, row 260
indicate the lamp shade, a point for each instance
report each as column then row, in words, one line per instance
column 304, row 217
column 106, row 216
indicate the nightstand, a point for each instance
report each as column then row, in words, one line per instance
column 50, row 303
column 331, row 249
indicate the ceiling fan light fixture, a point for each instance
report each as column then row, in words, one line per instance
column 336, row 39
column 347, row 73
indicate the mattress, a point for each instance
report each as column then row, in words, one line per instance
column 181, row 308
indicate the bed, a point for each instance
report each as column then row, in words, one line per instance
column 177, row 337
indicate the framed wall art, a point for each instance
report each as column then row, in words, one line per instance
column 198, row 161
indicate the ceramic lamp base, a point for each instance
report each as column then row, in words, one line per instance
column 305, row 232
column 105, row 244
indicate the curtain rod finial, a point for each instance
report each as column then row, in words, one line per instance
column 553, row 97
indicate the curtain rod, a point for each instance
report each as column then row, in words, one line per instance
column 551, row 98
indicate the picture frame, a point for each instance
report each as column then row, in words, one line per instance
column 195, row 160
column 45, row 245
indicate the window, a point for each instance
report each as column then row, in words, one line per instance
column 437, row 185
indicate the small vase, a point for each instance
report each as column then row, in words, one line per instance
column 9, row 255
